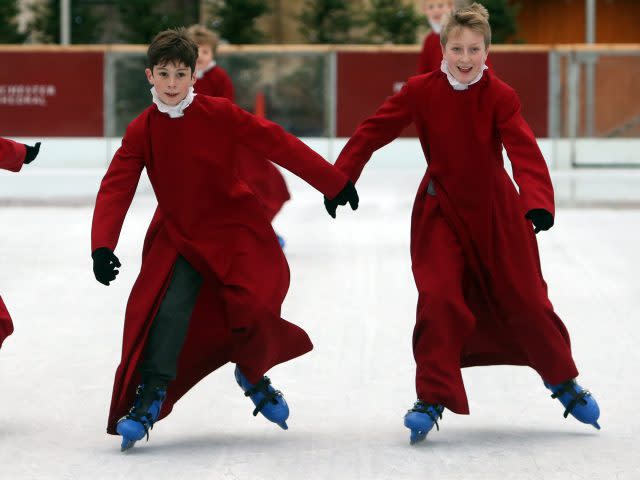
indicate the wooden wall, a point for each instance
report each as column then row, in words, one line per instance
column 563, row 21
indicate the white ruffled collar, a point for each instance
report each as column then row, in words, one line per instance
column 200, row 73
column 436, row 27
column 444, row 67
column 174, row 111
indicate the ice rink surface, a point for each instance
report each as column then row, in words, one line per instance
column 352, row 290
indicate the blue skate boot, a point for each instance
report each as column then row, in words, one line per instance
column 577, row 401
column 268, row 401
column 421, row 419
column 145, row 411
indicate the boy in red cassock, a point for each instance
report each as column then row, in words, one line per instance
column 482, row 298
column 437, row 12
column 264, row 179
column 213, row 276
column 12, row 156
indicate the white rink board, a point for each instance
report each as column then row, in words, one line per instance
column 353, row 292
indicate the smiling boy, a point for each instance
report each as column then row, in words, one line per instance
column 213, row 276
column 482, row 299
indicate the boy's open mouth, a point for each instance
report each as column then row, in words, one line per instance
column 465, row 69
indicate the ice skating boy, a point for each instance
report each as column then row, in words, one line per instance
column 264, row 179
column 482, row 298
column 13, row 156
column 213, row 276
column 437, row 13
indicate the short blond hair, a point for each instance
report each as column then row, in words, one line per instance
column 474, row 17
column 201, row 35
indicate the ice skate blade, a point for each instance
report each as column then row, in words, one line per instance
column 417, row 437
column 127, row 444
column 283, row 425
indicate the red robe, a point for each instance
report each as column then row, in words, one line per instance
column 431, row 54
column 12, row 155
column 482, row 298
column 213, row 220
column 264, row 179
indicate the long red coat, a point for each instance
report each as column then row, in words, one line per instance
column 264, row 179
column 12, row 155
column 478, row 211
column 431, row 54
column 213, row 220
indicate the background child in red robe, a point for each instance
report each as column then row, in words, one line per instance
column 12, row 156
column 437, row 13
column 213, row 276
column 482, row 299
column 264, row 179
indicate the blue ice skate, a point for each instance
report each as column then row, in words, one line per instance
column 268, row 401
column 136, row 424
column 577, row 401
column 421, row 419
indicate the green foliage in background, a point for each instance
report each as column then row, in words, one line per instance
column 235, row 20
column 141, row 20
column 393, row 21
column 86, row 25
column 9, row 32
column 502, row 17
column 328, row 21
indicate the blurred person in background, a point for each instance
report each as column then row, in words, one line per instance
column 437, row 13
column 262, row 177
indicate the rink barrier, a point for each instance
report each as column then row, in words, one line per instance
column 566, row 92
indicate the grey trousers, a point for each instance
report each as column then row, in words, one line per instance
column 168, row 332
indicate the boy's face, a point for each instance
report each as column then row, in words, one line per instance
column 172, row 81
column 465, row 54
column 437, row 10
column 205, row 56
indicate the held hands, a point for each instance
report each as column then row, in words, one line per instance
column 541, row 219
column 347, row 194
column 32, row 153
column 104, row 265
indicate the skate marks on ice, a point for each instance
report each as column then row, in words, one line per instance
column 352, row 291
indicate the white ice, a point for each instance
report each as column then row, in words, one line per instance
column 352, row 290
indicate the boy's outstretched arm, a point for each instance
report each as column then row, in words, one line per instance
column 375, row 132
column 271, row 141
column 529, row 167
column 112, row 203
column 13, row 154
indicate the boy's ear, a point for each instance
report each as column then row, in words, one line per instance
column 149, row 75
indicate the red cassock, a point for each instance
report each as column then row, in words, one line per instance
column 217, row 224
column 431, row 54
column 12, row 155
column 482, row 298
column 264, row 179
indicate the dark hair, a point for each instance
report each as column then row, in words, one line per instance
column 173, row 46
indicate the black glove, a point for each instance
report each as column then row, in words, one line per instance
column 541, row 218
column 104, row 265
column 347, row 194
column 32, row 152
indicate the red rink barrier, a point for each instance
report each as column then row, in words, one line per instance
column 365, row 79
column 51, row 94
